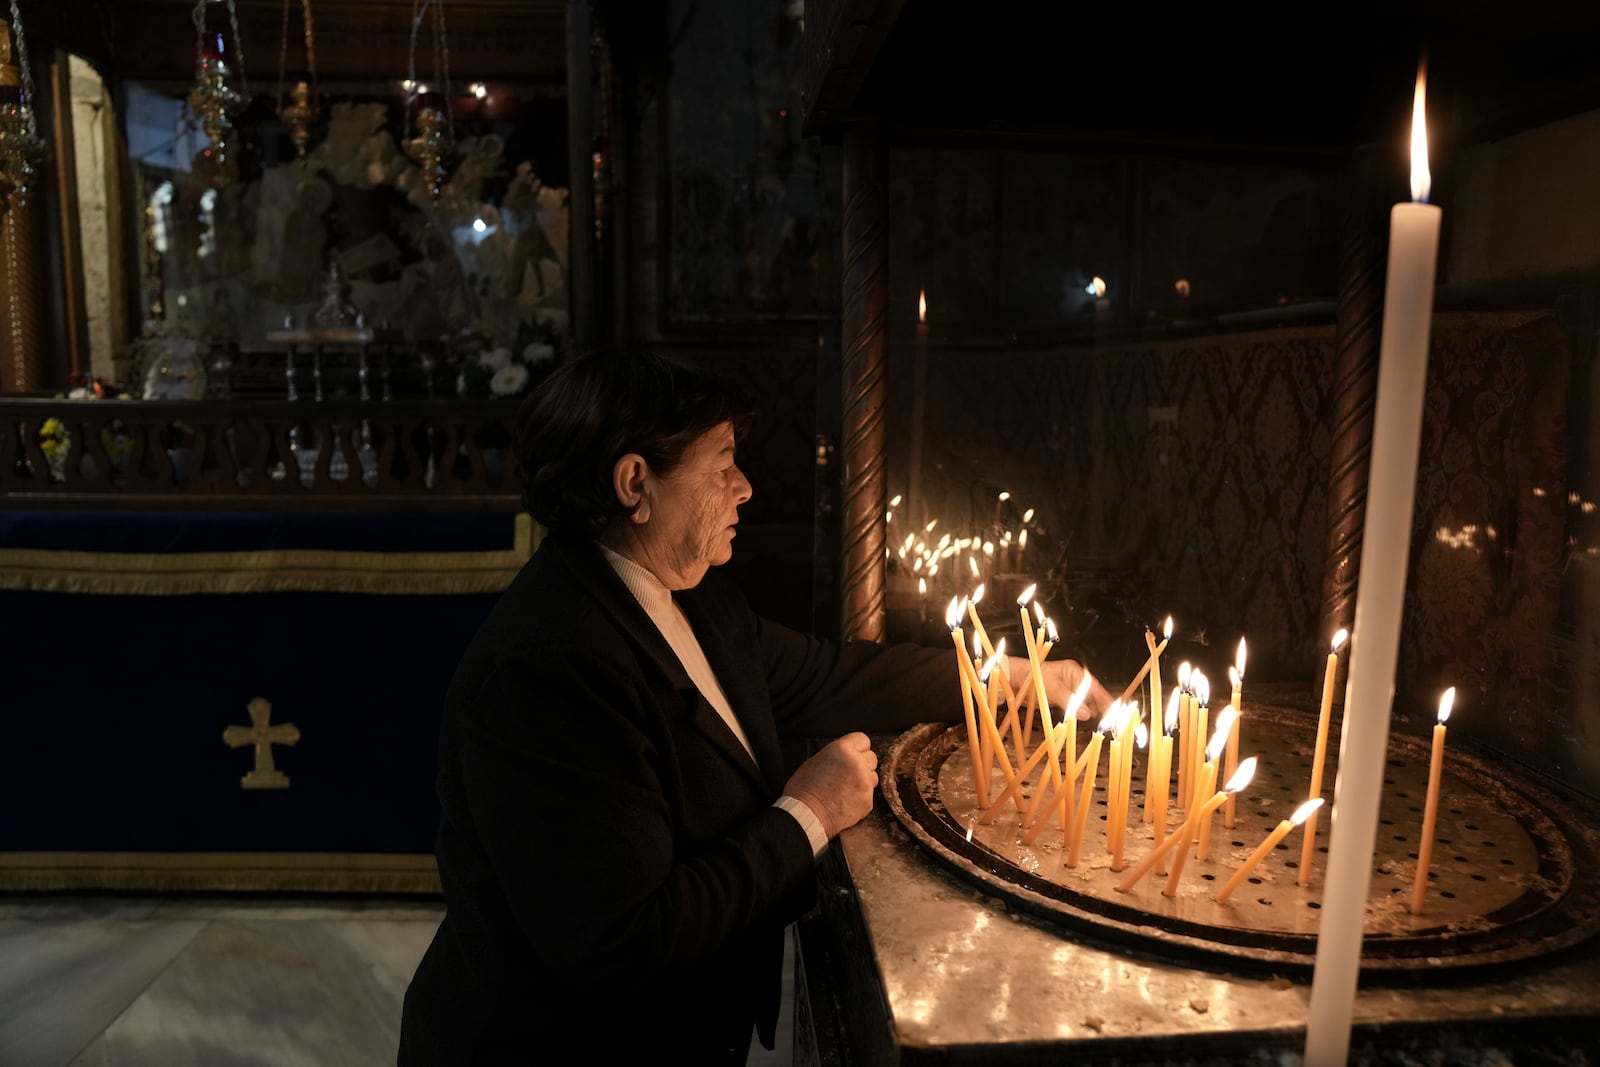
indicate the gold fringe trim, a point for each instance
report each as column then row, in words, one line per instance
column 307, row 872
column 269, row 571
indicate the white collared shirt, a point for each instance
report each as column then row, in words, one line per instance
column 656, row 600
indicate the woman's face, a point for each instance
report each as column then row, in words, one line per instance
column 688, row 516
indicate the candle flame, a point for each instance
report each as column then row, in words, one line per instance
column 922, row 587
column 1026, row 595
column 977, row 594
column 1233, row 677
column 988, row 664
column 952, row 614
column 1022, row 539
column 922, row 306
column 1184, row 672
column 1202, row 688
column 1038, row 612
column 973, row 563
column 896, row 501
column 1096, row 287
column 1141, row 736
column 1169, row 722
column 1005, row 494
column 1447, row 702
column 1050, row 629
column 1130, row 715
column 1339, row 638
column 1079, row 695
column 1238, row 659
column 1220, row 736
column 1242, row 776
column 931, row 524
column 1421, row 179
column 1109, row 720
column 1303, row 812
column 1027, row 516
column 1166, row 629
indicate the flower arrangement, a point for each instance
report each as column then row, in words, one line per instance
column 487, row 368
column 54, row 441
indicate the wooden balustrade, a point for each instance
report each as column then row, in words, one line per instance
column 334, row 455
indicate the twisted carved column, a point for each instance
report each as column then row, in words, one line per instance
column 22, row 365
column 1358, row 326
column 864, row 360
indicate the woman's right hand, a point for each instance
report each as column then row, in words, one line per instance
column 838, row 783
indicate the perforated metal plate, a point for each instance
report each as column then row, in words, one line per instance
column 1512, row 875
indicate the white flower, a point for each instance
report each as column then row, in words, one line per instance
column 495, row 360
column 538, row 352
column 509, row 380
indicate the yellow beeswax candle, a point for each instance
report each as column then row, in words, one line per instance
column 1319, row 756
column 1279, row 832
column 974, row 748
column 1206, row 810
column 1430, row 812
column 1236, row 676
column 1085, row 798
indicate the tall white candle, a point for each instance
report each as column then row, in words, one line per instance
column 1374, row 642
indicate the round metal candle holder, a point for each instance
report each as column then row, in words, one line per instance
column 1512, row 876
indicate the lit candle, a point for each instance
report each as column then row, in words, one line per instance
column 1301, row 814
column 919, row 405
column 1201, row 717
column 1033, row 663
column 1185, row 733
column 1155, row 672
column 1117, row 786
column 952, row 618
column 1227, row 727
column 1430, row 813
column 1205, row 811
column 1169, row 723
column 1092, row 756
column 1058, row 738
column 1385, row 545
column 1155, row 654
column 1236, row 676
column 988, row 649
column 1319, row 755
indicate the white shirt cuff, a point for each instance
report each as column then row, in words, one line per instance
column 808, row 821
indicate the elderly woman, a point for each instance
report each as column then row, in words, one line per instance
column 620, row 847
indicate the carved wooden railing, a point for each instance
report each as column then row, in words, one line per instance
column 336, row 455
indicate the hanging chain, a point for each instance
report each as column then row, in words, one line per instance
column 238, row 48
column 311, row 43
column 443, row 62
column 283, row 52
column 27, row 69
column 283, row 48
column 418, row 9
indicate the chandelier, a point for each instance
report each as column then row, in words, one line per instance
column 21, row 147
column 214, row 100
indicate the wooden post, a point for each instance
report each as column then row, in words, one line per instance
column 864, row 388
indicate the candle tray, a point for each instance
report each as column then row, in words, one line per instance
column 1512, row 877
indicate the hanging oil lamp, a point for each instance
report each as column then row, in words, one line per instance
column 21, row 147
column 431, row 146
column 215, row 101
column 297, row 110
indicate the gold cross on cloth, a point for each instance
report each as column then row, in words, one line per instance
column 263, row 735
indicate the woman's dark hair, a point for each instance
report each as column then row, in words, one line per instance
column 594, row 410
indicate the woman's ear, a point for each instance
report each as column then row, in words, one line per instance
column 628, row 478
